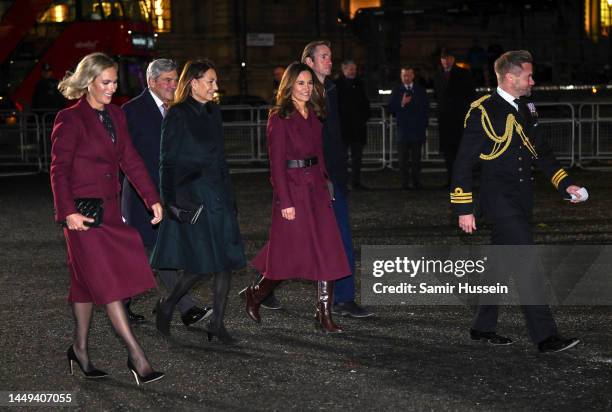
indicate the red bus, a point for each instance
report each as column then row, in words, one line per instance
column 60, row 33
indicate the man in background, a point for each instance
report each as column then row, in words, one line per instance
column 454, row 91
column 354, row 111
column 410, row 106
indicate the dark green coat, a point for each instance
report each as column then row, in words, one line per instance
column 193, row 169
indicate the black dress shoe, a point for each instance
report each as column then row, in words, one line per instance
column 351, row 309
column 271, row 302
column 490, row 337
column 195, row 315
column 556, row 343
column 220, row 333
column 134, row 317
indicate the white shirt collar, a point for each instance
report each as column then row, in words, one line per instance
column 507, row 97
column 158, row 101
column 408, row 86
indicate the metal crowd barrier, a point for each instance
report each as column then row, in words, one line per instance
column 595, row 131
column 580, row 134
column 21, row 151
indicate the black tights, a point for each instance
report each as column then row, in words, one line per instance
column 221, row 286
column 83, row 313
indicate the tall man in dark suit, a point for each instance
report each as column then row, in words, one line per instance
column 318, row 56
column 354, row 111
column 501, row 134
column 410, row 106
column 454, row 91
column 144, row 116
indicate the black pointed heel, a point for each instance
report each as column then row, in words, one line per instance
column 220, row 333
column 151, row 377
column 92, row 374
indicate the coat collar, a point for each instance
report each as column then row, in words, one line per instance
column 95, row 129
column 150, row 102
column 198, row 107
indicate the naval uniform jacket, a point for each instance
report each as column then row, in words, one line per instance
column 508, row 144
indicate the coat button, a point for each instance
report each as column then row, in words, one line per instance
column 520, row 158
column 520, row 180
column 107, row 175
column 520, row 169
column 533, row 178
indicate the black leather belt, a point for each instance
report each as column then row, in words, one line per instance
column 293, row 164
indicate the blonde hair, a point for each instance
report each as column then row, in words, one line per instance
column 74, row 85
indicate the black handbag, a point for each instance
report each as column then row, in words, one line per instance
column 90, row 207
column 183, row 215
column 184, row 210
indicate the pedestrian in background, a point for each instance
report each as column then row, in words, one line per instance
column 454, row 91
column 354, row 112
column 410, row 106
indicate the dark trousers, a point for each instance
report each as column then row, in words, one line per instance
column 356, row 151
column 409, row 154
column 169, row 278
column 450, row 154
column 344, row 289
column 515, row 230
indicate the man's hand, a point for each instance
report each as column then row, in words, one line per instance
column 467, row 223
column 406, row 98
column 158, row 213
column 574, row 190
column 288, row 213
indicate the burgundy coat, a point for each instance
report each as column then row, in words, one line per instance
column 310, row 246
column 106, row 263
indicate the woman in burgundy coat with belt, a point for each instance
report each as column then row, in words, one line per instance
column 90, row 143
column 304, row 239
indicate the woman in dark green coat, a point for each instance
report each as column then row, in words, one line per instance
column 202, row 235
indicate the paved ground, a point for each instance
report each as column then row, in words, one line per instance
column 406, row 358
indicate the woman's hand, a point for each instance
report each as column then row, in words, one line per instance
column 76, row 221
column 158, row 213
column 288, row 213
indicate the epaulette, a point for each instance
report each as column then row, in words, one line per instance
column 474, row 105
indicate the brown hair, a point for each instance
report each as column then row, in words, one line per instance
column 194, row 69
column 283, row 105
column 310, row 48
column 511, row 61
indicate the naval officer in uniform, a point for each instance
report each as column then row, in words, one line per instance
column 501, row 134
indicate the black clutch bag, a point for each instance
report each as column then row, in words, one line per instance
column 185, row 214
column 90, row 207
column 185, row 209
